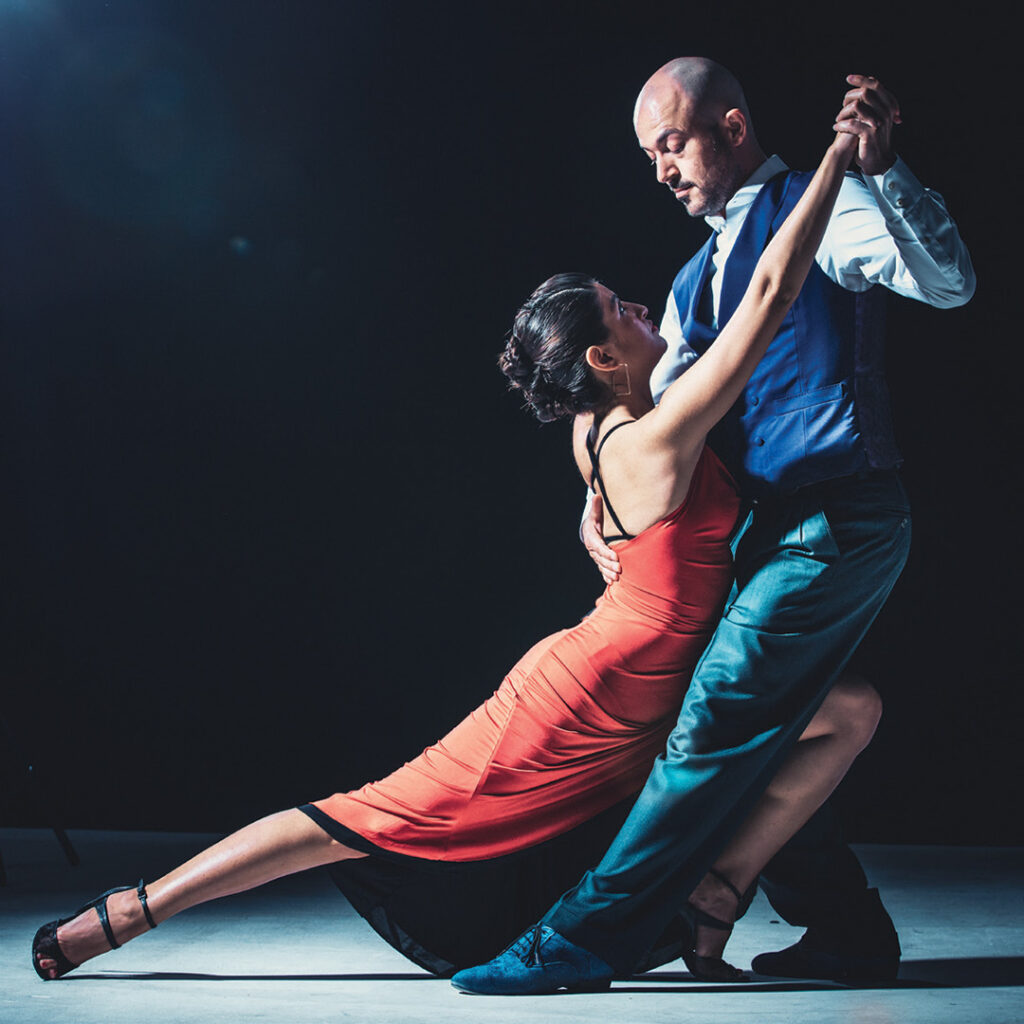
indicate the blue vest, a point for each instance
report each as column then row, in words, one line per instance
column 817, row 406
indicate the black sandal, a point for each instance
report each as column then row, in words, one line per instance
column 714, row 968
column 46, row 946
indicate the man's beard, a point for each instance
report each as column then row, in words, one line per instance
column 721, row 181
column 712, row 199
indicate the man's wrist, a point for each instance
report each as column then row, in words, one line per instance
column 897, row 187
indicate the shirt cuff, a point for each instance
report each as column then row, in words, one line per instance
column 897, row 188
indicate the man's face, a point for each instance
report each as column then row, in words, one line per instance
column 691, row 156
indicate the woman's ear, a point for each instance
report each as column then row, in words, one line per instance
column 600, row 360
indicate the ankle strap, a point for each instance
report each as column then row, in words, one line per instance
column 143, row 899
column 725, row 881
column 101, row 910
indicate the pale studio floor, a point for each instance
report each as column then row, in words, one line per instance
column 295, row 952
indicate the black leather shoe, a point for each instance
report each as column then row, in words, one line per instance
column 804, row 960
column 859, row 947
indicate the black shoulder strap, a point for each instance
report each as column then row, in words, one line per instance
column 596, row 477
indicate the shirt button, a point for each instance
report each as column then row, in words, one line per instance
column 899, row 202
column 891, row 186
column 759, row 441
column 755, row 400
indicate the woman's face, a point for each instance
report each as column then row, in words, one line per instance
column 631, row 329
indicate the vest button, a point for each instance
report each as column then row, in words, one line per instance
column 759, row 441
column 755, row 400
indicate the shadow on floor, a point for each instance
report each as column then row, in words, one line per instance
column 977, row 972
column 189, row 976
column 968, row 972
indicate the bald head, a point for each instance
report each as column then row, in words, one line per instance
column 706, row 89
column 691, row 120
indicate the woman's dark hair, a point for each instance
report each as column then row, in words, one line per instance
column 545, row 356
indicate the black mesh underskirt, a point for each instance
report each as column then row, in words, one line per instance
column 446, row 915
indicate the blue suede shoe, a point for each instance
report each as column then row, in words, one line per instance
column 538, row 963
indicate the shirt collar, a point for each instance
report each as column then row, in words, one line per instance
column 744, row 195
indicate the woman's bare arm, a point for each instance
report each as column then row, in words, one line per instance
column 694, row 403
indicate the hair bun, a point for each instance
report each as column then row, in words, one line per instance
column 517, row 364
column 544, row 355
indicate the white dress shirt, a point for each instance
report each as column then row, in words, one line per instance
column 885, row 229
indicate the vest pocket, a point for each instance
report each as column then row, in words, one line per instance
column 818, row 396
column 805, row 438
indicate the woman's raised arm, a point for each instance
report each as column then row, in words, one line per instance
column 694, row 403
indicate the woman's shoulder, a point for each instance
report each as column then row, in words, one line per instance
column 580, row 432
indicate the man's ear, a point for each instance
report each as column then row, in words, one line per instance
column 734, row 123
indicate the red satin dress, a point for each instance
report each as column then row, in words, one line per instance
column 576, row 725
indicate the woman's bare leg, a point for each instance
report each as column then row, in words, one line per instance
column 278, row 845
column 290, row 841
column 841, row 729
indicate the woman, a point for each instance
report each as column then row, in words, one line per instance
column 453, row 854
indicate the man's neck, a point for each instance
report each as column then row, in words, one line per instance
column 745, row 170
column 752, row 161
column 746, row 167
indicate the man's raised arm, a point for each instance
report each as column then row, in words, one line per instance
column 888, row 228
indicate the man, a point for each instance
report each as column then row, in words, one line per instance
column 810, row 443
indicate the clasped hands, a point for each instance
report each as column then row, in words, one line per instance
column 870, row 111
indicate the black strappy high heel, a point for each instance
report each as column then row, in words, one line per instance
column 46, row 946
column 714, row 968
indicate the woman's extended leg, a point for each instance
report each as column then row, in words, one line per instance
column 278, row 845
column 841, row 729
column 289, row 841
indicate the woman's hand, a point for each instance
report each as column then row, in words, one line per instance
column 604, row 557
column 869, row 112
column 846, row 142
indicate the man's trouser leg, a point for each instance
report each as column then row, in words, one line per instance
column 815, row 880
column 813, row 570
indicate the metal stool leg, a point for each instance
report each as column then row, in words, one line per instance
column 65, row 845
column 41, row 798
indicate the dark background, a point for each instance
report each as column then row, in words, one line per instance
column 271, row 522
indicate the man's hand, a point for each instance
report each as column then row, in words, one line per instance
column 605, row 558
column 869, row 112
